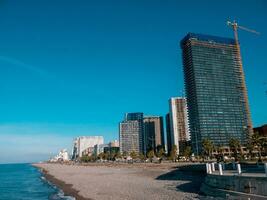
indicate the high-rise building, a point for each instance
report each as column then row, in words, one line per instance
column 179, row 130
column 153, row 133
column 168, row 132
column 216, row 93
column 131, row 133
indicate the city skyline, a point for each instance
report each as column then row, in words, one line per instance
column 65, row 71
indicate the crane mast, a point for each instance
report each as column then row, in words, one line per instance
column 235, row 28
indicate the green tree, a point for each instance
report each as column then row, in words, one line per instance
column 220, row 151
column 101, row 156
column 258, row 142
column 173, row 153
column 150, row 155
column 208, row 147
column 118, row 155
column 133, row 155
column 85, row 158
column 142, row 156
column 112, row 156
column 235, row 146
column 105, row 156
column 187, row 152
column 250, row 148
column 161, row 153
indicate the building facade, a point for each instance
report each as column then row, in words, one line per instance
column 131, row 133
column 153, row 133
column 215, row 90
column 168, row 133
column 82, row 145
column 129, row 136
column 179, row 131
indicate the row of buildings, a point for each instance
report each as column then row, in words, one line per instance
column 216, row 105
column 92, row 145
column 140, row 134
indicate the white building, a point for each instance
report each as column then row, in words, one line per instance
column 62, row 156
column 179, row 130
column 84, row 142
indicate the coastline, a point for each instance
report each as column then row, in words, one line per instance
column 123, row 181
column 66, row 188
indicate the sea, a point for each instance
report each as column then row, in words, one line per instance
column 25, row 182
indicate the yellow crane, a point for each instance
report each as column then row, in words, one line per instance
column 235, row 27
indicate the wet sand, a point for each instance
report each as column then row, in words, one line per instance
column 124, row 181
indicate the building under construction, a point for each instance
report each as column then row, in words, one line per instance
column 215, row 89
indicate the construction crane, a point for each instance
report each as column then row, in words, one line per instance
column 235, row 27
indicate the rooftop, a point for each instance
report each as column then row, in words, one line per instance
column 207, row 38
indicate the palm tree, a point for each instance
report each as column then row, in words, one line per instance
column 208, row 147
column 250, row 148
column 161, row 153
column 133, row 155
column 259, row 143
column 187, row 152
column 173, row 153
column 150, row 155
column 220, row 151
column 234, row 145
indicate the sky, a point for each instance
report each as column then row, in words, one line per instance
column 71, row 68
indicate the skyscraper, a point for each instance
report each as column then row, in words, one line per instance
column 179, row 131
column 153, row 133
column 131, row 133
column 216, row 95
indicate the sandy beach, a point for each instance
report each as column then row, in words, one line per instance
column 124, row 181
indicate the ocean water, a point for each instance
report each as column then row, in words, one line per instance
column 25, row 182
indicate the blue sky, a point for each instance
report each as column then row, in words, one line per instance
column 70, row 68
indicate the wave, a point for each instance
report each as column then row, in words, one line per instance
column 59, row 194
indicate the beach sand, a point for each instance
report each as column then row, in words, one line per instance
column 124, row 181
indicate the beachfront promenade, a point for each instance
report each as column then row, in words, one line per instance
column 236, row 181
column 125, row 181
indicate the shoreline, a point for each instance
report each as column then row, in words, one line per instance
column 123, row 181
column 67, row 189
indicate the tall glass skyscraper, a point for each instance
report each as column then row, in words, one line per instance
column 215, row 89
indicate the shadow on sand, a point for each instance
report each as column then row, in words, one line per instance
column 192, row 178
